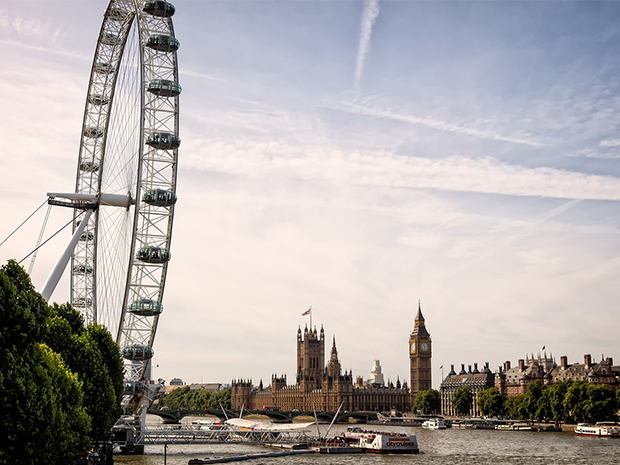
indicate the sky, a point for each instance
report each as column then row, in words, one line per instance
column 358, row 157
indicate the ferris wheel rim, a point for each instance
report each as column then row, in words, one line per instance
column 151, row 220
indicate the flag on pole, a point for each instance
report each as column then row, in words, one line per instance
column 441, row 367
column 543, row 348
column 307, row 312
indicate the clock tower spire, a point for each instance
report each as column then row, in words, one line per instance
column 419, row 355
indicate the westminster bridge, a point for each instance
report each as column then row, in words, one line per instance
column 277, row 416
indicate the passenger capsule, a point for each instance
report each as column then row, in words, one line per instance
column 159, row 8
column 163, row 43
column 159, row 197
column 163, row 140
column 89, row 166
column 110, row 39
column 137, row 352
column 133, row 387
column 164, row 88
column 153, row 255
column 98, row 99
column 82, row 302
column 146, row 307
column 116, row 14
column 92, row 132
column 83, row 268
column 104, row 68
column 87, row 236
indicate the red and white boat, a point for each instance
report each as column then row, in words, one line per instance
column 390, row 443
column 381, row 442
column 599, row 430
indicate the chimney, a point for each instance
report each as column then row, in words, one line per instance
column 476, row 368
column 587, row 360
column 521, row 364
column 468, row 368
column 462, row 372
column 610, row 362
column 507, row 365
column 564, row 362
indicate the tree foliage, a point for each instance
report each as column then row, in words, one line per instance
column 427, row 402
column 195, row 399
column 43, row 419
column 491, row 402
column 570, row 401
column 95, row 357
column 462, row 400
column 60, row 383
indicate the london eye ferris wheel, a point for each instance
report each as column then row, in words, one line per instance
column 125, row 189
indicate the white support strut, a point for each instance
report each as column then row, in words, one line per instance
column 55, row 275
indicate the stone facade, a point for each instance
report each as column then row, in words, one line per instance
column 477, row 380
column 325, row 387
column 513, row 381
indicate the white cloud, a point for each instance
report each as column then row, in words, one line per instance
column 383, row 169
column 369, row 16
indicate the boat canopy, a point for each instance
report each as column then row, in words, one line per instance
column 159, row 8
column 146, row 307
column 159, row 197
column 163, row 140
column 138, row 352
column 153, row 254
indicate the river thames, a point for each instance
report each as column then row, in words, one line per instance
column 451, row 446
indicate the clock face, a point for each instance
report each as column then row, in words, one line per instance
column 413, row 347
column 424, row 347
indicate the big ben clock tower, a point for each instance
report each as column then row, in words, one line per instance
column 419, row 356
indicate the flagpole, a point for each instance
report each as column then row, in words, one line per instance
column 311, row 318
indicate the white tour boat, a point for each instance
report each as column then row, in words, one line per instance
column 434, row 423
column 601, row 430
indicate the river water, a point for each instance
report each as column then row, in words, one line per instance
column 451, row 446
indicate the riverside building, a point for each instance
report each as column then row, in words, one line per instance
column 325, row 386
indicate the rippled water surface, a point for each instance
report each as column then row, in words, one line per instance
column 451, row 446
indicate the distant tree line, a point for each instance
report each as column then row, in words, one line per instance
column 61, row 384
column 185, row 398
column 566, row 401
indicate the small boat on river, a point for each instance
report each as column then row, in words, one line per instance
column 600, row 430
column 434, row 423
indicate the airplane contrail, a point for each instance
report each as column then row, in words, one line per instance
column 369, row 16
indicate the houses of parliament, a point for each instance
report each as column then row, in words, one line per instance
column 325, row 387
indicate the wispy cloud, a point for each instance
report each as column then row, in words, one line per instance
column 258, row 160
column 434, row 124
column 369, row 16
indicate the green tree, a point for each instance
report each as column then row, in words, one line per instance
column 491, row 402
column 557, row 396
column 462, row 400
column 515, row 407
column 195, row 399
column 83, row 351
column 601, row 402
column 427, row 401
column 42, row 420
